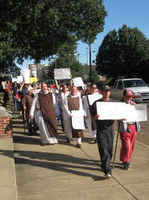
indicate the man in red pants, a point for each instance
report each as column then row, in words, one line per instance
column 128, row 131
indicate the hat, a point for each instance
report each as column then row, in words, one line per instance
column 106, row 88
column 128, row 93
column 51, row 86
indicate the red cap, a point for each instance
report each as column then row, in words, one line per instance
column 51, row 86
column 128, row 93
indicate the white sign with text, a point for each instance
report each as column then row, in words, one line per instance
column 62, row 73
column 118, row 110
column 78, row 82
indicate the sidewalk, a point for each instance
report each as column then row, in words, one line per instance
column 64, row 172
column 8, row 188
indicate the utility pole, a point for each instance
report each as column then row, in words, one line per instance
column 78, row 57
column 90, row 62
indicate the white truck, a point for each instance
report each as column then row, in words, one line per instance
column 137, row 85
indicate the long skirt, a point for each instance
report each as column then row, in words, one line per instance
column 45, row 135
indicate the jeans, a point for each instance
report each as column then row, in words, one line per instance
column 105, row 146
column 16, row 104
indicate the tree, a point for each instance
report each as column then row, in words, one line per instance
column 77, row 69
column 94, row 77
column 68, row 61
column 143, row 69
column 37, row 29
column 7, row 53
column 121, row 52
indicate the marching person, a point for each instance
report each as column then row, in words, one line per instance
column 55, row 94
column 36, row 88
column 7, row 92
column 88, row 100
column 27, row 103
column 45, row 117
column 105, row 133
column 74, row 106
column 128, row 131
column 62, row 99
column 16, row 96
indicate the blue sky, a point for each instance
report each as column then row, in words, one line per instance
column 133, row 13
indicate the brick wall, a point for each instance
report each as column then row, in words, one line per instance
column 5, row 126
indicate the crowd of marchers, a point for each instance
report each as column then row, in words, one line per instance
column 42, row 105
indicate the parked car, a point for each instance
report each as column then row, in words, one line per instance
column 137, row 85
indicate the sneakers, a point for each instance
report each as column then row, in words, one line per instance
column 108, row 175
column 92, row 141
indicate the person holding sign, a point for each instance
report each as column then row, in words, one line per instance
column 27, row 103
column 105, row 133
column 128, row 131
column 88, row 100
column 7, row 91
column 75, row 111
column 63, row 92
column 65, row 118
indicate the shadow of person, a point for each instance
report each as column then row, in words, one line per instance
column 59, row 162
column 61, row 167
column 25, row 139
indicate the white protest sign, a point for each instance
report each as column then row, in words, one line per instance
column 94, row 97
column 26, row 75
column 62, row 73
column 138, row 112
column 19, row 79
column 111, row 110
column 78, row 82
column 78, row 120
column 118, row 110
column 14, row 79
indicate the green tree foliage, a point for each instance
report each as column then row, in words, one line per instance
column 66, row 57
column 143, row 69
column 94, row 77
column 77, row 69
column 37, row 28
column 7, row 53
column 121, row 52
column 66, row 61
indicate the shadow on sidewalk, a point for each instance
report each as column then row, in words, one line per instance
column 8, row 153
column 26, row 139
column 56, row 162
column 59, row 162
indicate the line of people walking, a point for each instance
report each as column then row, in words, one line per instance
column 76, row 108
